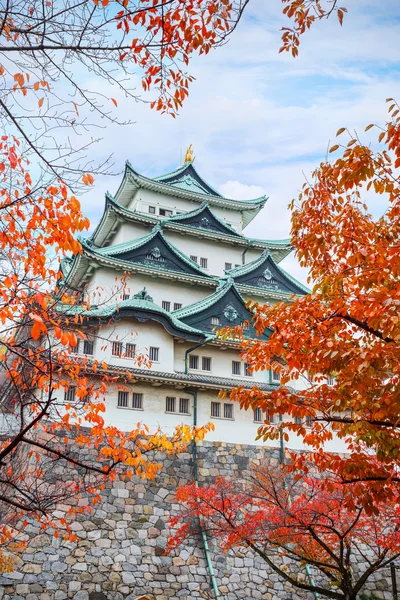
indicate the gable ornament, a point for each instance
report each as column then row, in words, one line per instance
column 230, row 313
column 267, row 275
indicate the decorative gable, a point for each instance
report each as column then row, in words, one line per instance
column 224, row 308
column 187, row 178
column 154, row 251
column 204, row 218
column 265, row 274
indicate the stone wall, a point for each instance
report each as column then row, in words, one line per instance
column 121, row 545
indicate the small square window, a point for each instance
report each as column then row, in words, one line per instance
column 276, row 375
column 130, row 350
column 193, row 258
column 170, row 404
column 69, row 394
column 247, row 370
column 137, row 401
column 154, row 354
column 125, row 296
column 184, row 406
column 204, row 263
column 163, row 212
column 228, row 266
column 123, row 399
column 117, row 348
column 193, row 361
column 215, row 320
column 177, row 305
column 235, row 367
column 166, row 305
column 206, row 363
column 88, row 347
column 330, row 380
column 298, row 420
column 215, row 409
column 228, row 411
column 152, row 210
column 258, row 416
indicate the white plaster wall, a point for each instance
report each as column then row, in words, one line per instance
column 142, row 199
column 216, row 252
column 128, row 232
column 104, row 289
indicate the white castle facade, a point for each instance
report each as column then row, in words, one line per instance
column 189, row 269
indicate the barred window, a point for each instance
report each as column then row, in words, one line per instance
column 206, row 363
column 193, row 361
column 130, row 350
column 204, row 262
column 215, row 320
column 258, row 416
column 117, row 348
column 235, row 367
column 298, row 420
column 193, row 258
column 247, row 371
column 170, row 404
column 276, row 375
column 75, row 349
column 330, row 380
column 154, row 354
column 152, row 210
column 228, row 411
column 88, row 347
column 166, row 305
column 215, row 409
column 228, row 266
column 137, row 401
column 69, row 394
column 270, row 417
column 184, row 406
column 308, row 421
column 125, row 296
column 164, row 212
column 123, row 399
column 177, row 305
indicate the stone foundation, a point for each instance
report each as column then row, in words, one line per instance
column 121, row 545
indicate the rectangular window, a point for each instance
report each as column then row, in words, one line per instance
column 308, row 421
column 276, row 375
column 177, row 305
column 154, row 354
column 236, row 266
column 152, row 210
column 228, row 266
column 298, row 420
column 137, row 401
column 330, row 380
column 69, row 394
column 88, row 347
column 193, row 361
column 117, row 348
column 123, row 399
column 215, row 320
column 235, row 367
column 247, row 371
column 166, row 305
column 125, row 296
column 130, row 350
column 258, row 416
column 215, row 409
column 170, row 404
column 228, row 411
column 270, row 417
column 206, row 363
column 193, row 258
column 204, row 263
column 184, row 406
column 75, row 349
column 164, row 212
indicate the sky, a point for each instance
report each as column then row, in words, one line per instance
column 261, row 121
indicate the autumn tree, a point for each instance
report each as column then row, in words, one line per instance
column 291, row 523
column 341, row 340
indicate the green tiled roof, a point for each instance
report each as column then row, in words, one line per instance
column 223, row 288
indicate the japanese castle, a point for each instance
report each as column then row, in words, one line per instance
column 166, row 267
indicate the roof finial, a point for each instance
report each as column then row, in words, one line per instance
column 189, row 158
